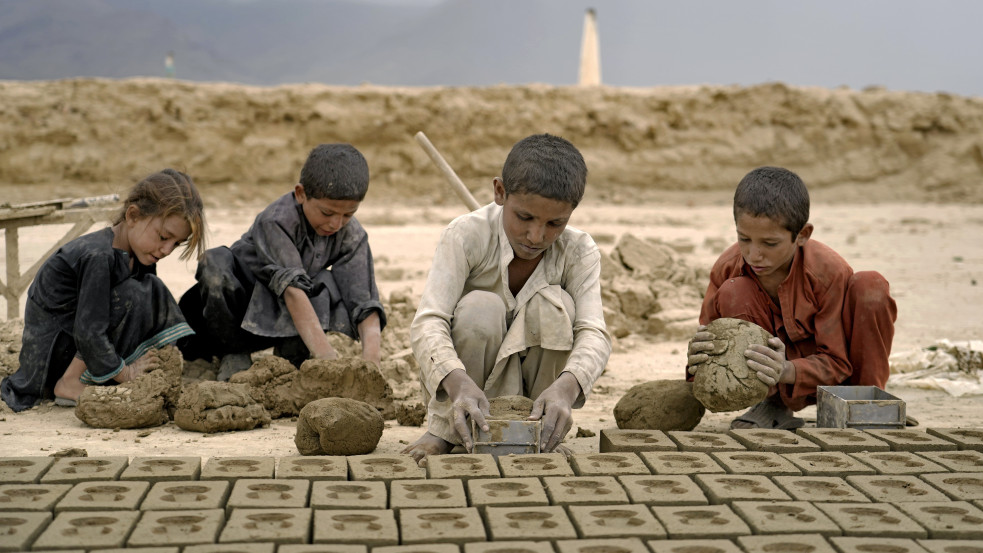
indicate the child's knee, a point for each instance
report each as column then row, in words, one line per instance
column 733, row 297
column 868, row 288
column 215, row 268
column 480, row 310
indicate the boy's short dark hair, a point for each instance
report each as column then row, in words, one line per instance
column 335, row 172
column 547, row 166
column 776, row 193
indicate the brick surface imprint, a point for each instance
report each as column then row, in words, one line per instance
column 965, row 438
column 366, row 494
column 820, row 488
column 268, row 493
column 616, row 545
column 584, row 490
column 755, row 462
column 104, row 496
column 690, row 462
column 952, row 546
column 535, row 464
column 371, row 527
column 177, row 528
column 898, row 462
column 440, row 526
column 848, row 440
column 876, row 520
column 87, row 530
column 964, row 486
column 851, row 544
column 947, row 520
column 529, row 523
column 187, row 495
column 663, row 489
column 464, row 467
column 724, row 488
column 231, row 468
column 614, row 440
column 267, row 525
column 322, row 548
column 913, row 440
column 313, row 467
column 599, row 464
column 31, row 497
column 418, row 548
column 777, row 441
column 507, row 492
column 892, row 488
column 156, row 469
column 19, row 529
column 71, row 470
column 704, row 441
column 383, row 467
column 615, row 521
column 232, row 548
column 788, row 543
column 956, row 461
column 693, row 546
column 710, row 521
column 828, row 463
column 527, row 546
column 785, row 517
column 24, row 470
column 422, row 494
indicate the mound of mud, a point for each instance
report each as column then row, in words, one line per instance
column 218, row 407
column 659, row 405
column 635, row 141
column 338, row 426
column 724, row 382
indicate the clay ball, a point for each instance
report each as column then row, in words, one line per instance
column 659, row 405
column 338, row 426
column 724, row 382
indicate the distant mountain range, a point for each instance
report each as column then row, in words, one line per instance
column 898, row 44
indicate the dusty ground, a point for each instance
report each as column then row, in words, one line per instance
column 931, row 254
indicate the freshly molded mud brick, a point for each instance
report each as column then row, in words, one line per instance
column 893, row 488
column 788, row 543
column 322, row 547
column 465, row 467
column 616, row 439
column 875, row 520
column 528, row 523
column 704, row 441
column 724, row 488
column 509, row 547
column 668, row 489
column 820, row 488
column 960, row 486
column 159, row 469
column 785, row 517
column 534, row 464
column 952, row 546
column 384, row 467
column 143, row 550
column 23, row 470
column 426, row 494
column 366, row 494
column 232, row 468
column 103, row 496
column 584, row 490
column 268, row 493
column 372, row 527
column 31, row 497
column 507, row 492
column 19, row 528
column 678, row 462
column 828, row 463
column 191, row 495
column 618, row 545
column 313, row 467
column 88, row 530
column 776, row 441
column 419, row 548
column 965, row 438
column 231, row 548
column 615, row 521
column 913, row 440
column 268, row 525
column 953, row 520
column 850, row 544
column 755, row 462
column 440, row 526
column 694, row 546
column 956, row 461
column 710, row 521
column 71, row 470
column 898, row 462
column 847, row 440
column 597, row 464
column 177, row 528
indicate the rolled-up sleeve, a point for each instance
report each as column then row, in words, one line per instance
column 591, row 341
column 430, row 331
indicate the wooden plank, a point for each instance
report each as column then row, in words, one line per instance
column 15, row 214
column 25, row 279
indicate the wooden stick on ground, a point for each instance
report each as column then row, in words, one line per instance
column 449, row 174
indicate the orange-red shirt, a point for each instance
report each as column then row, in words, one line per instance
column 808, row 317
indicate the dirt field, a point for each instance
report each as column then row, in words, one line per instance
column 930, row 253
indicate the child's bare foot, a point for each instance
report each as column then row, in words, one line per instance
column 144, row 363
column 69, row 388
column 428, row 444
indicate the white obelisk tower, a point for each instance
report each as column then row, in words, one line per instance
column 590, row 52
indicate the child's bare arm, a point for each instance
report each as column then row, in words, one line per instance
column 371, row 335
column 307, row 323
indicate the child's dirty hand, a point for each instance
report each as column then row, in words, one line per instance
column 702, row 342
column 770, row 363
column 137, row 368
column 468, row 401
column 553, row 407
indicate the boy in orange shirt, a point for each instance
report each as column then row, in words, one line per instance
column 831, row 326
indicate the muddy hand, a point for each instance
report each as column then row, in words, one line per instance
column 553, row 407
column 701, row 343
column 468, row 401
column 770, row 363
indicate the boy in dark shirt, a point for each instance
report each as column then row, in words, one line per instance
column 831, row 326
column 304, row 267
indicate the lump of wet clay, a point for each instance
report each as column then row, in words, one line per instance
column 284, row 390
column 513, row 408
column 148, row 400
column 411, row 414
column 338, row 426
column 724, row 382
column 659, row 405
column 218, row 407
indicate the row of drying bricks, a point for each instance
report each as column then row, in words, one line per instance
column 727, row 493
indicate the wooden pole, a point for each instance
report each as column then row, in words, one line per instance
column 449, row 174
